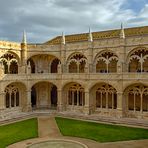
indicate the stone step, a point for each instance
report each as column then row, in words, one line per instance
column 93, row 118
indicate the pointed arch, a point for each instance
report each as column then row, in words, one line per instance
column 76, row 63
column 104, row 96
column 74, row 96
column 138, row 60
column 43, row 63
column 10, row 62
column 15, row 95
column 54, row 65
column 136, row 98
column 44, row 95
column 106, row 62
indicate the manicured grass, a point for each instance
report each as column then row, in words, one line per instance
column 98, row 131
column 18, row 131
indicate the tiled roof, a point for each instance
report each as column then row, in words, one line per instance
column 99, row 35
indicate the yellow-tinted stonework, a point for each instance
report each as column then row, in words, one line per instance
column 103, row 73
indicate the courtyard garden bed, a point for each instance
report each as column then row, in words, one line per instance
column 18, row 131
column 98, row 131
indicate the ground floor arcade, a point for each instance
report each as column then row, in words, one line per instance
column 102, row 99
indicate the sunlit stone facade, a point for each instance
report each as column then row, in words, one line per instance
column 102, row 73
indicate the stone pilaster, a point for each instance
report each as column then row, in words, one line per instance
column 1, row 70
column 59, row 68
column 2, row 100
column 28, row 106
column 63, row 57
column 119, row 104
column 90, row 56
column 28, row 69
column 87, row 103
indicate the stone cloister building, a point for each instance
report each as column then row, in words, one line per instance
column 102, row 73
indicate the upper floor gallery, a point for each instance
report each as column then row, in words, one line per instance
column 108, row 52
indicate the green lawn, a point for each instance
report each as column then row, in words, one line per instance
column 18, row 131
column 99, row 132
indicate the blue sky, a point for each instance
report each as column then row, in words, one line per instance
column 45, row 19
column 135, row 5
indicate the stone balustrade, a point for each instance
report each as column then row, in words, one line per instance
column 75, row 76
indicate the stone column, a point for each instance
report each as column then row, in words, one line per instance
column 2, row 100
column 141, row 102
column 77, row 98
column 107, row 100
column 10, row 100
column 112, row 100
column 101, row 101
column 14, row 99
column 28, row 105
column 82, row 98
column 141, row 62
column 72, row 98
column 78, row 67
column 134, row 103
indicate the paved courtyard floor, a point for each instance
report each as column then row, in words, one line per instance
column 49, row 131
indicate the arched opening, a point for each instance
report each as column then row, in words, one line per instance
column 33, row 97
column 54, row 96
column 101, row 66
column 145, row 64
column 104, row 98
column 82, row 66
column 43, row 63
column 73, row 67
column 6, row 71
column 106, row 62
column 136, row 98
column 74, row 96
column 112, row 66
column 138, row 61
column 32, row 64
column 7, row 99
column 14, row 67
column 54, row 65
column 44, row 95
column 77, row 63
column 10, row 63
column 15, row 96
column 10, row 96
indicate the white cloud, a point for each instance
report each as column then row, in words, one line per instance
column 46, row 19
